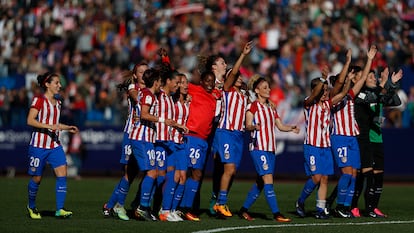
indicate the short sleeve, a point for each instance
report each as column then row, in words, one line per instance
column 37, row 103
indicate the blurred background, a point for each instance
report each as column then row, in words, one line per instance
column 89, row 43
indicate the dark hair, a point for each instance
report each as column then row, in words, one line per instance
column 176, row 95
column 206, row 63
column 356, row 69
column 166, row 72
column 333, row 78
column 150, row 76
column 228, row 71
column 42, row 79
column 206, row 73
column 134, row 70
column 256, row 83
column 315, row 82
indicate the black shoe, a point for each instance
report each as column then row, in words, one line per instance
column 145, row 213
column 321, row 215
column 245, row 215
column 342, row 213
column 300, row 209
column 328, row 208
column 106, row 211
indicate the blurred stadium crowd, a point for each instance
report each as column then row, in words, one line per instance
column 89, row 43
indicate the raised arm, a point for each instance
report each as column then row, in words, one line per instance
column 316, row 92
column 390, row 98
column 341, row 79
column 233, row 74
column 338, row 97
column 370, row 57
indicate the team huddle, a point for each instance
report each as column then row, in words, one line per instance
column 173, row 125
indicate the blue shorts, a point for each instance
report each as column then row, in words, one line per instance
column 264, row 161
column 196, row 150
column 163, row 149
column 144, row 153
column 229, row 145
column 126, row 149
column 178, row 159
column 318, row 160
column 38, row 157
column 346, row 151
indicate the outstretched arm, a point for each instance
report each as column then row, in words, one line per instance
column 233, row 74
column 286, row 128
column 338, row 97
column 339, row 83
column 390, row 98
column 370, row 57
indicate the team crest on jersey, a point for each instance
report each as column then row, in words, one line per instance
column 148, row 99
column 152, row 162
column 33, row 169
column 193, row 160
column 344, row 159
column 313, row 168
column 265, row 167
column 226, row 156
column 161, row 163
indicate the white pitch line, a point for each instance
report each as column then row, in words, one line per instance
column 300, row 225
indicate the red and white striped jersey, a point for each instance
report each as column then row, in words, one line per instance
column 344, row 122
column 181, row 115
column 219, row 99
column 318, row 119
column 165, row 110
column 265, row 115
column 233, row 110
column 146, row 130
column 48, row 114
column 134, row 110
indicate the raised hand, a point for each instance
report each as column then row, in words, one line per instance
column 325, row 72
column 349, row 55
column 384, row 76
column 395, row 77
column 371, row 52
column 247, row 47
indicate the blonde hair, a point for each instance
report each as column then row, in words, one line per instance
column 127, row 77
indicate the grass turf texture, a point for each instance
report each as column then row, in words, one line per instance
column 86, row 197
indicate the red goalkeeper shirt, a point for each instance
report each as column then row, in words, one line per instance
column 202, row 111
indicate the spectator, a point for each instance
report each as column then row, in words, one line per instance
column 79, row 41
column 4, row 107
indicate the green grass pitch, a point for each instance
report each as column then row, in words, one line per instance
column 86, row 197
